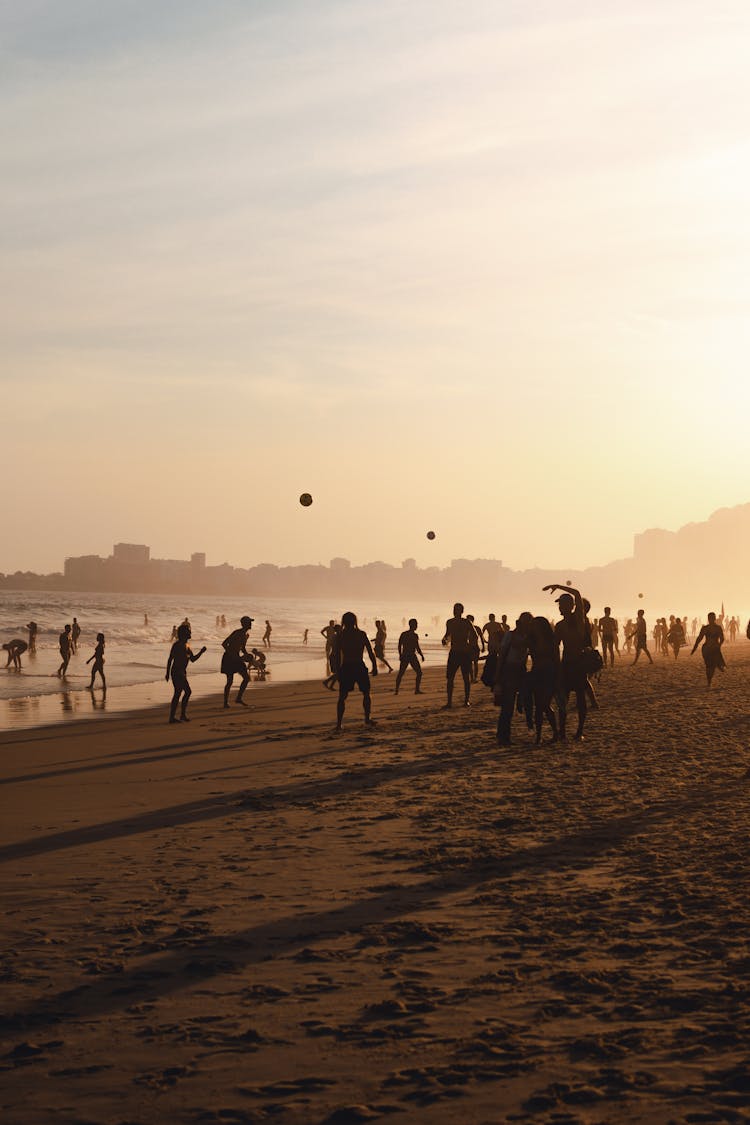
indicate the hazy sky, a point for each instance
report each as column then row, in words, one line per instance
column 478, row 267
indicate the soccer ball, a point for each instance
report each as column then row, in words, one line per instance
column 305, row 499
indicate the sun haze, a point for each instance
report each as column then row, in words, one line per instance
column 482, row 268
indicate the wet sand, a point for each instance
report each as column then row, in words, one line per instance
column 246, row 919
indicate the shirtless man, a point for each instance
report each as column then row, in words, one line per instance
column 608, row 633
column 14, row 649
column 408, row 651
column 461, row 635
column 640, row 633
column 267, row 634
column 494, row 633
column 571, row 632
column 66, row 646
column 234, row 660
column 351, row 645
column 329, row 632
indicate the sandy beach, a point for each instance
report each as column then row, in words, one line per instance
column 248, row 919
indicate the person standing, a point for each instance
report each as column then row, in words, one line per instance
column 408, row 651
column 510, row 675
column 712, row 636
column 75, row 633
column 179, row 657
column 65, row 644
column 234, row 660
column 379, row 642
column 351, row 645
column 33, row 629
column 459, row 634
column 608, row 632
column 640, row 634
column 98, row 659
column 267, row 634
column 572, row 633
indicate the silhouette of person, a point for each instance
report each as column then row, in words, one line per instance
column 640, row 635
column 65, row 644
column 544, row 675
column 460, row 634
column 33, row 630
column 180, row 656
column 234, row 660
column 571, row 632
column 304, row 637
column 510, row 674
column 608, row 632
column 15, row 650
column 98, row 659
column 174, row 633
column 75, row 633
column 145, row 621
column 494, row 632
column 712, row 636
column 257, row 660
column 223, row 621
column 329, row 632
column 475, row 641
column 351, row 645
column 408, row 651
column 676, row 635
column 267, row 634
column 379, row 642
column 331, row 657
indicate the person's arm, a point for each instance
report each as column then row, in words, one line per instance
column 196, row 655
column 371, row 654
column 420, row 653
column 447, row 636
column 698, row 639
column 721, row 636
column 170, row 662
column 90, row 659
column 225, row 642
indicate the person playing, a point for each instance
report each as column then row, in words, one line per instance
column 65, row 644
column 234, row 660
column 510, row 674
column 98, row 659
column 571, row 632
column 379, row 643
column 15, row 650
column 75, row 633
column 460, row 634
column 408, row 651
column 348, row 656
column 267, row 634
column 257, row 660
column 180, row 656
column 676, row 635
column 712, row 636
column 544, row 675
column 331, row 658
column 640, row 634
column 33, row 630
column 608, row 632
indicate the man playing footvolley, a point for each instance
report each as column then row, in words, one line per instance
column 461, row 635
column 234, row 660
column 408, row 651
column 351, row 644
column 572, row 633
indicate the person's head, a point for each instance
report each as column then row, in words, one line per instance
column 524, row 622
column 566, row 604
column 183, row 632
column 246, row 622
column 542, row 630
column 470, row 617
column 458, row 609
column 641, row 612
column 332, row 623
column 100, row 638
column 67, row 628
column 413, row 623
column 492, row 617
column 607, row 610
column 349, row 620
column 504, row 618
column 6, row 647
column 712, row 618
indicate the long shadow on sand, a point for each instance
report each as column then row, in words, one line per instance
column 211, row 956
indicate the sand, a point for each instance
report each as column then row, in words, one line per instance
column 249, row 920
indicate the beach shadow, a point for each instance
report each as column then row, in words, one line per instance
column 210, row 956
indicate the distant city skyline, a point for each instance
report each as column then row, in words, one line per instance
column 481, row 269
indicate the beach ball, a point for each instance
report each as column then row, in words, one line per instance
column 430, row 534
column 305, row 499
column 640, row 595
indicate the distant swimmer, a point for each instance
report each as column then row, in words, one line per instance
column 351, row 645
column 712, row 636
column 15, row 649
column 98, row 659
column 640, row 635
column 234, row 660
column 608, row 633
column 572, row 633
column 304, row 637
column 75, row 632
column 408, row 654
column 65, row 644
column 459, row 634
column 223, row 621
column 379, row 642
column 177, row 665
column 33, row 629
column 267, row 634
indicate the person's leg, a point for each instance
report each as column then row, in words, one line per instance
column 466, row 676
column 340, row 706
column 186, row 693
column 580, row 691
column 418, row 673
column 450, row 675
column 401, row 669
column 243, row 685
column 227, row 687
column 367, row 707
column 175, row 701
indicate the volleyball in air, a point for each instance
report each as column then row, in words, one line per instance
column 640, row 595
column 430, row 534
column 305, row 499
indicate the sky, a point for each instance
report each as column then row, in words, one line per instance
column 482, row 269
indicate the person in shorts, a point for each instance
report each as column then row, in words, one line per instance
column 234, row 660
column 460, row 634
column 351, row 643
column 408, row 651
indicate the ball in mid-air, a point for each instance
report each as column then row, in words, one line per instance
column 640, row 595
column 305, row 499
column 430, row 534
